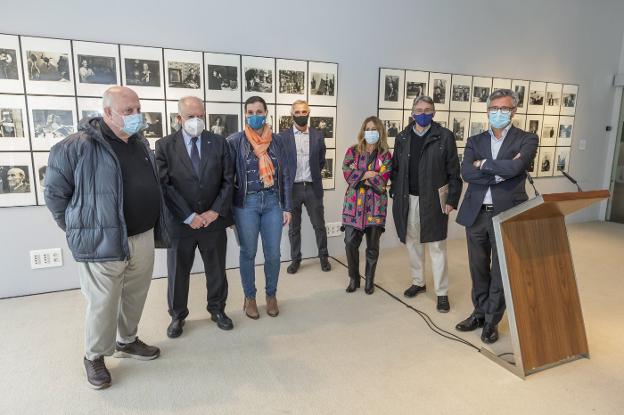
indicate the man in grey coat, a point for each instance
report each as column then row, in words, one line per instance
column 102, row 190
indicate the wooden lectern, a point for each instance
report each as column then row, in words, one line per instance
column 545, row 318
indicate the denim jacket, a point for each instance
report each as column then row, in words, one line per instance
column 239, row 149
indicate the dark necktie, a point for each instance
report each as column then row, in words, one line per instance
column 195, row 155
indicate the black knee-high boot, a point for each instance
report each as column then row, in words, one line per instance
column 353, row 239
column 373, row 235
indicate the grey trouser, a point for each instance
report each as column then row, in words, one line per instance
column 115, row 293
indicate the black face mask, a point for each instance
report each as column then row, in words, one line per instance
column 301, row 120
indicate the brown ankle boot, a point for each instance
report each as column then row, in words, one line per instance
column 272, row 308
column 251, row 308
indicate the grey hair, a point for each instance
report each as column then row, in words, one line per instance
column 107, row 99
column 501, row 93
column 423, row 98
column 183, row 100
column 299, row 102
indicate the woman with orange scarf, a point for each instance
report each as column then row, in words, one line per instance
column 262, row 199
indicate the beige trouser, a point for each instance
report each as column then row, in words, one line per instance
column 115, row 293
column 416, row 250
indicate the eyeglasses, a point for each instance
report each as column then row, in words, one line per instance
column 419, row 112
column 503, row 110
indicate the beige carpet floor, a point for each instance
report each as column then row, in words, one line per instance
column 326, row 353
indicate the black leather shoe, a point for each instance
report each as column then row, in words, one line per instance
column 413, row 290
column 354, row 284
column 443, row 304
column 489, row 334
column 471, row 323
column 175, row 328
column 325, row 265
column 293, row 267
column 369, row 285
column 222, row 320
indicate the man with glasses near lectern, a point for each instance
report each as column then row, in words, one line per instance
column 495, row 164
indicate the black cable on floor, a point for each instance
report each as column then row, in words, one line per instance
column 427, row 319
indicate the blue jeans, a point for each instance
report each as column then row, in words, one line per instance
column 262, row 215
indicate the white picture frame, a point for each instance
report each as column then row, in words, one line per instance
column 51, row 120
column 391, row 88
column 537, row 97
column 519, row 121
column 459, row 124
column 562, row 161
column 565, row 131
column 442, row 118
column 546, row 163
column 142, row 70
column 11, row 81
column 17, row 187
column 258, row 78
column 172, row 111
column 229, row 115
column 552, row 100
column 478, row 123
column 521, row 88
column 481, row 90
column 440, row 90
column 392, row 121
column 89, row 107
column 184, row 74
column 532, row 167
column 97, row 67
column 569, row 98
column 322, row 83
column 222, row 77
column 461, row 92
column 40, row 160
column 13, row 123
column 500, row 83
column 550, row 130
column 325, row 120
column 416, row 84
column 534, row 124
column 48, row 67
column 155, row 124
column 283, row 119
column 292, row 80
column 328, row 173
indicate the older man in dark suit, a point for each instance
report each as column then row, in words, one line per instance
column 197, row 176
column 494, row 165
column 306, row 158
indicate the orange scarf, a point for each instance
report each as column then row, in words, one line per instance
column 260, row 145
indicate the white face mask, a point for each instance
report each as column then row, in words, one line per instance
column 194, row 126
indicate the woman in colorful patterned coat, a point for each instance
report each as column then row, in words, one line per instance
column 366, row 169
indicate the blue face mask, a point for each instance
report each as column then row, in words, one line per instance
column 132, row 123
column 423, row 119
column 371, row 137
column 498, row 119
column 256, row 121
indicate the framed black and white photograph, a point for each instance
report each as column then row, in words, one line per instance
column 442, row 118
column 546, row 163
column 532, row 167
column 184, row 74
column 564, row 135
column 391, row 88
column 40, row 160
column 172, row 117
column 324, row 120
column 13, row 125
column 460, row 92
column 500, row 83
column 322, row 83
column 552, row 99
column 142, row 70
column 534, row 124
column 47, row 66
column 259, row 78
column 562, row 160
column 440, row 90
column 154, row 120
column 568, row 100
column 17, row 186
column 292, row 80
column 223, row 118
column 51, row 120
column 481, row 90
column 328, row 172
column 97, row 67
column 519, row 121
column 223, row 77
column 550, row 128
column 10, row 65
column 521, row 88
column 537, row 97
column 416, row 85
column 478, row 123
column 392, row 121
column 89, row 108
column 460, row 125
column 284, row 120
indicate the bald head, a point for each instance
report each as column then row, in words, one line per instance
column 117, row 102
column 116, row 94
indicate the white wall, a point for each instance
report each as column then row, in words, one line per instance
column 569, row 41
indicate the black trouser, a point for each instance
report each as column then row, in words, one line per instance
column 353, row 239
column 180, row 258
column 303, row 194
column 488, row 297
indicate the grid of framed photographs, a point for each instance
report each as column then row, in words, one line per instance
column 545, row 108
column 47, row 85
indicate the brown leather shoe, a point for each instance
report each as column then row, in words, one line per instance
column 251, row 308
column 272, row 308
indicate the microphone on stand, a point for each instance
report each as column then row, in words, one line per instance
column 532, row 183
column 570, row 178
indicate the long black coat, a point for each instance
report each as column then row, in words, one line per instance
column 438, row 166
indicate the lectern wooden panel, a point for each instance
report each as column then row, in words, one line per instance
column 545, row 318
